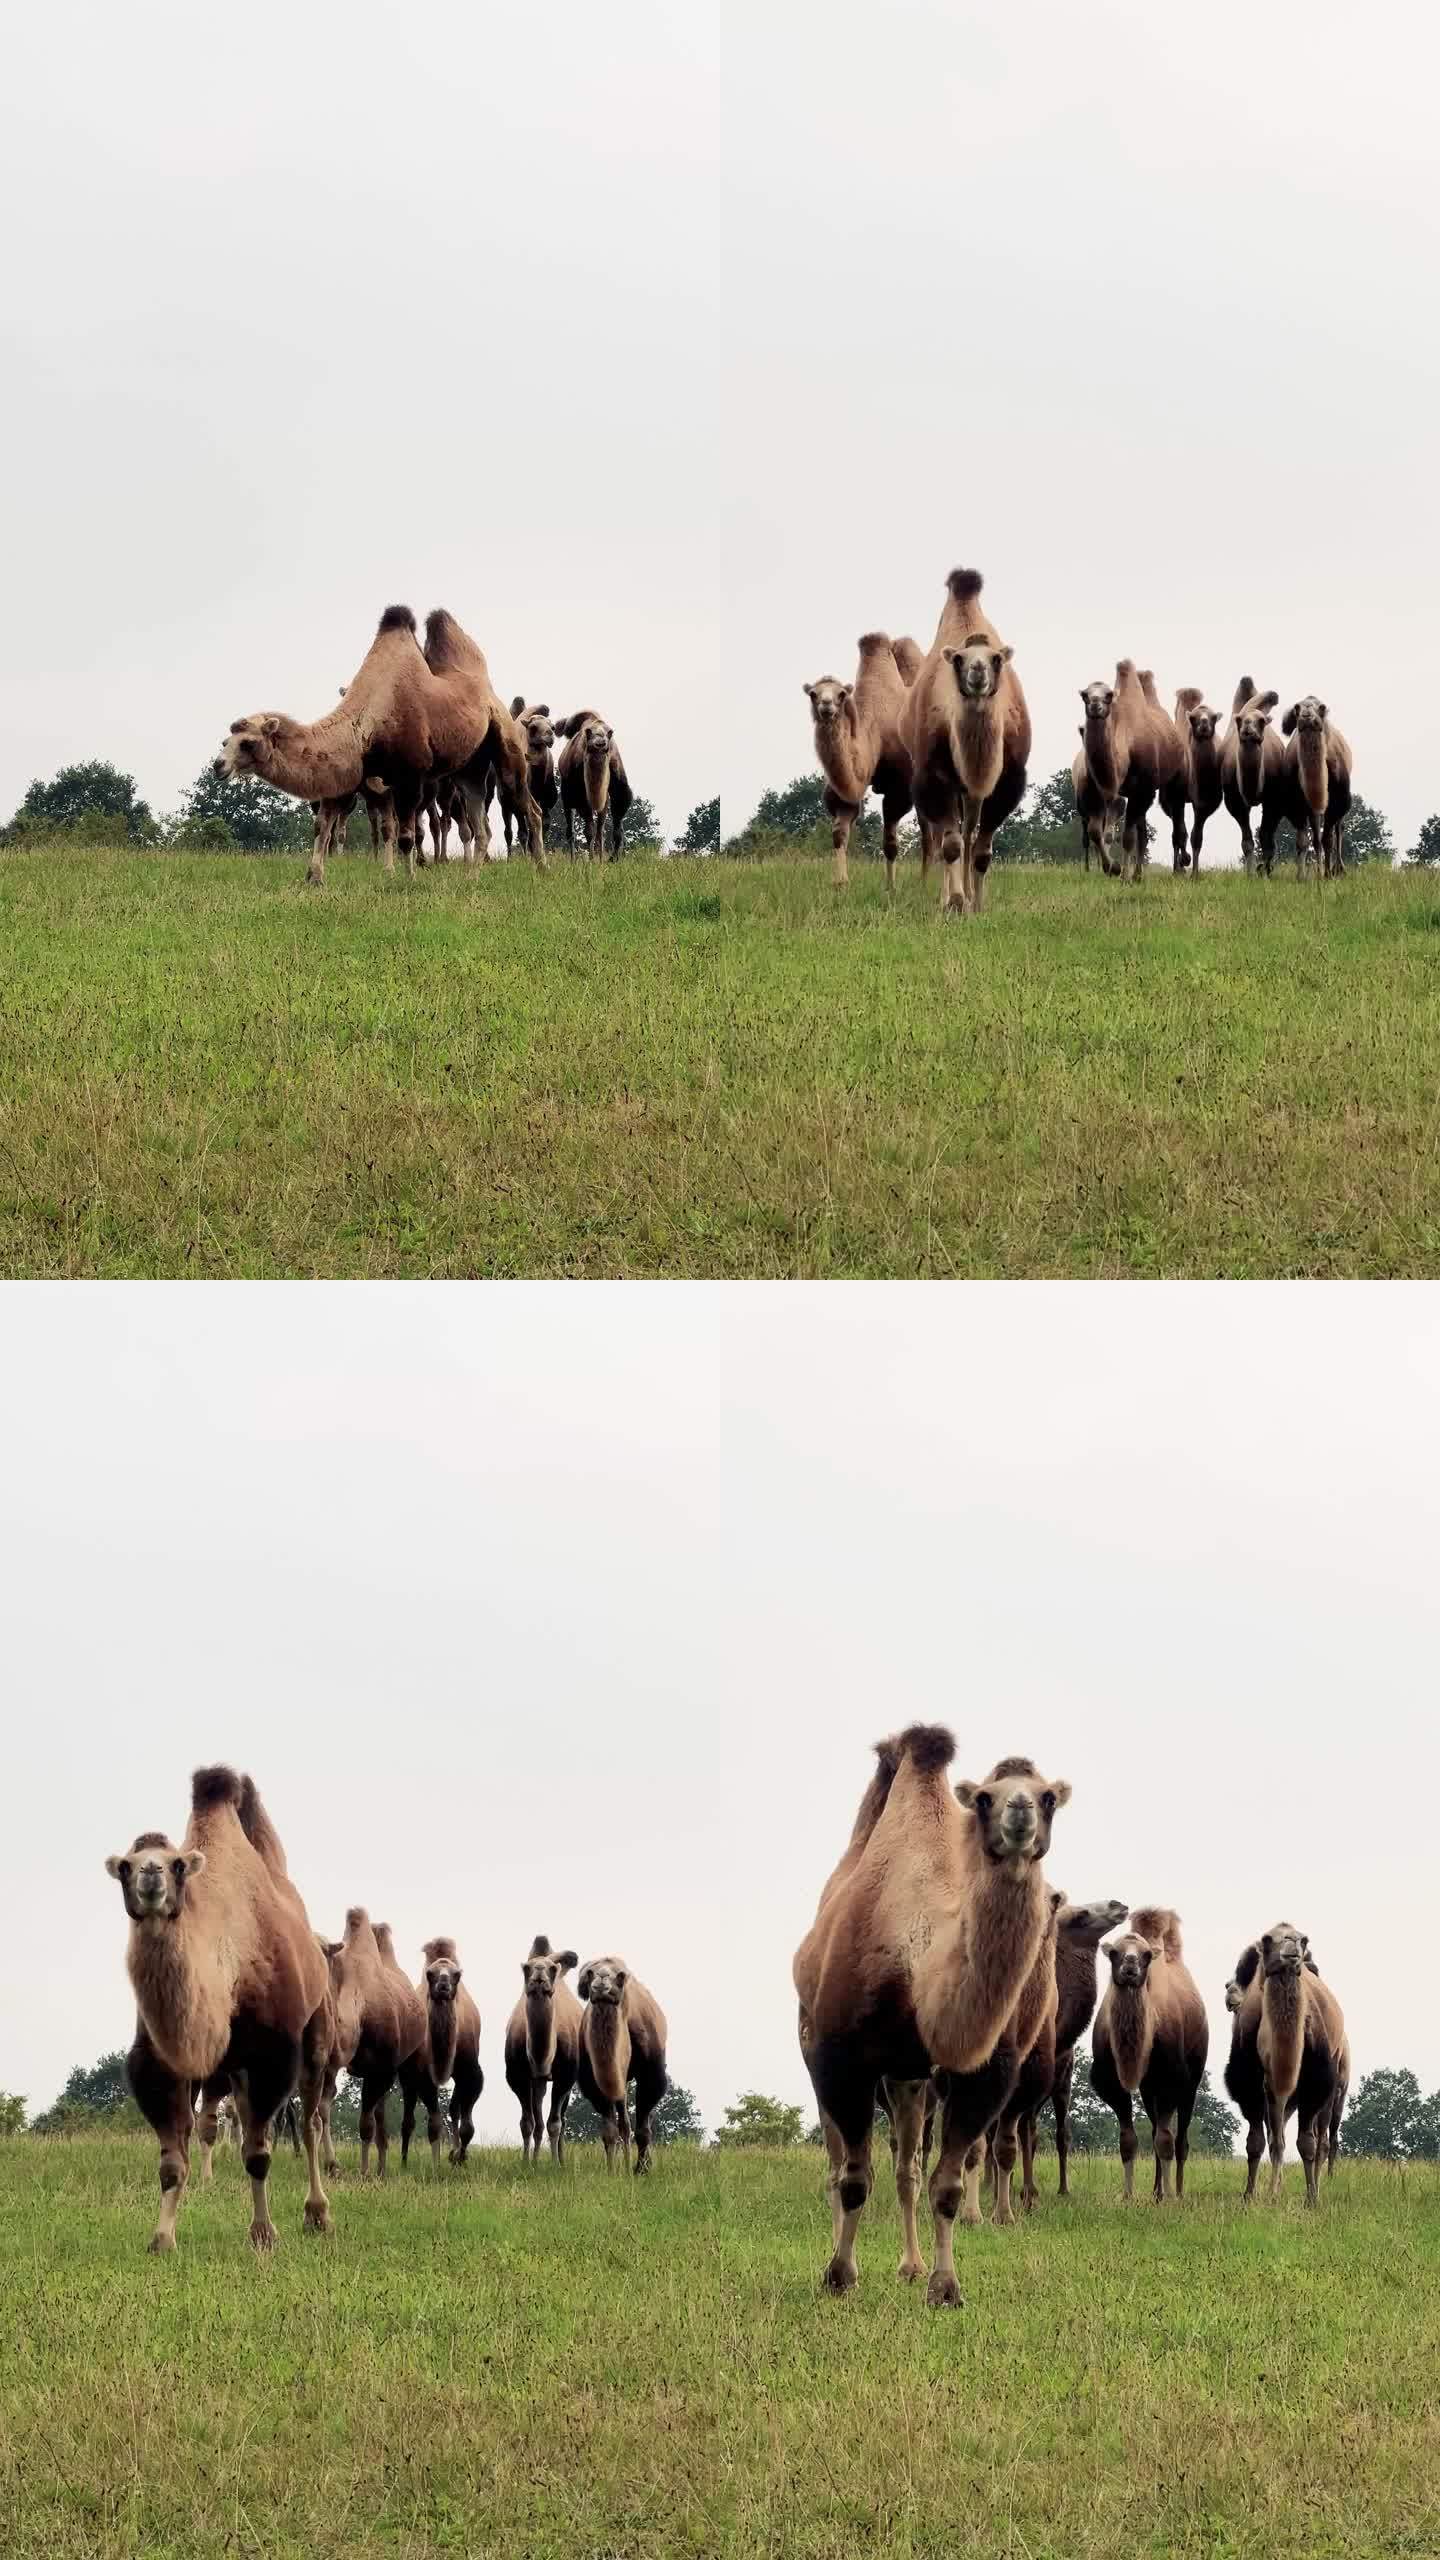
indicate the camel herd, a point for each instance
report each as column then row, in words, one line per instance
column 420, row 735
column 948, row 736
column 240, row 2005
column 943, row 1978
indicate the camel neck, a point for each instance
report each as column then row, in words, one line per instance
column 539, row 2035
column 608, row 2037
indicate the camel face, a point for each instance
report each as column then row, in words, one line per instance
column 539, row 733
column 1014, row 1808
column 1234, row 1996
column 442, row 1978
column 1084, row 1924
column 1203, row 724
column 1097, row 699
column 1251, row 725
column 978, row 668
column 828, row 700
column 603, row 1983
column 1130, row 1961
column 247, row 749
column 1309, row 714
column 1283, row 1949
column 153, row 1875
column 541, row 1971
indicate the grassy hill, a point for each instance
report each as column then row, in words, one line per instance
column 581, row 2368
column 719, row 1070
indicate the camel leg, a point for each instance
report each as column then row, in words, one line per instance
column 1064, row 2081
column 1164, row 2139
column 1275, row 2135
column 1307, row 2143
column 891, row 813
column 409, row 2096
column 313, row 2071
column 907, row 2131
column 207, row 2123
column 434, row 2127
column 373, row 2128
column 650, row 2088
column 842, row 819
column 1029, row 2192
column 971, row 2102
column 529, row 2127
column 1197, row 838
column 611, row 2136
column 559, row 2101
column 1254, row 2152
column 952, row 887
column 168, row 2105
column 320, row 845
column 1006, row 2149
column 980, row 867
column 259, row 2091
column 1129, row 2140
column 1182, row 2144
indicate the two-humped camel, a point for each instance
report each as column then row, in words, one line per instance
column 407, row 719
column 926, row 1938
column 967, row 729
column 623, row 2035
column 539, row 734
column 1317, row 786
column 1198, row 728
column 858, row 743
column 379, row 2021
column 449, row 2051
column 1048, row 2071
column 1150, row 2041
column 593, row 781
column 1288, row 2055
column 1131, row 753
column 542, row 2046
column 228, row 1979
column 1252, row 771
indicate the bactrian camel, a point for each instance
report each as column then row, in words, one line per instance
column 858, row 742
column 1252, row 771
column 622, row 2038
column 1198, row 727
column 1288, row 2056
column 593, row 782
column 1317, row 786
column 542, row 2046
column 449, row 2051
column 967, row 728
column 1132, row 754
column 1150, row 2041
column 380, row 2021
column 1049, row 2070
column 924, row 1943
column 228, row 1979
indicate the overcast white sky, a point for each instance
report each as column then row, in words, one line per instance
column 1133, row 309
column 313, row 310
column 578, row 1610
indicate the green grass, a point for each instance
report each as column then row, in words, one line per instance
column 723, row 1071
column 578, row 2368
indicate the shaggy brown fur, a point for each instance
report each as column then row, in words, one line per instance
column 1252, row 771
column 539, row 733
column 1199, row 731
column 227, row 1980
column 622, row 2038
column 1133, row 754
column 592, row 780
column 448, row 2050
column 923, row 1946
column 860, row 748
column 967, row 729
column 1079, row 1928
column 379, row 2023
column 542, row 2044
column 1317, row 786
column 1288, row 2055
column 1151, row 2039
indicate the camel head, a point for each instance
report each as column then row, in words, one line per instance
column 442, row 1970
column 1097, row 699
column 978, row 666
column 1283, row 1950
column 1253, row 718
column 539, row 729
column 1014, row 1808
column 542, row 1969
column 1203, row 723
column 1130, row 1960
column 1083, row 1924
column 595, row 741
column 829, row 700
column 251, row 745
column 153, row 1875
column 1308, row 715
column 1234, row 1996
column 603, row 1981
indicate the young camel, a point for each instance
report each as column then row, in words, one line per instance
column 859, row 746
column 227, row 1980
column 1151, row 2039
column 539, row 734
column 1133, row 754
column 622, row 2038
column 379, row 2023
column 1288, row 2056
column 1198, row 727
column 592, row 780
column 967, row 729
column 1252, row 772
column 448, row 2050
column 1317, row 787
column 1079, row 1928
column 542, row 2045
column 925, row 1939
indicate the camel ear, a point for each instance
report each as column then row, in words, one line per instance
column 583, row 1981
column 271, row 724
column 950, row 656
column 1061, row 1790
column 195, row 1860
column 1001, row 658
column 976, row 1799
column 116, row 1867
column 1324, row 710
column 1266, row 1943
column 810, row 689
column 544, row 710
column 1291, row 716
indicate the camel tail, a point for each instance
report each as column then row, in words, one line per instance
column 1162, row 1928
column 397, row 617
column 965, row 585
column 214, row 1786
column 927, row 1746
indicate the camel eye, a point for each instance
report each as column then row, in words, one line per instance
column 178, row 1870
column 126, row 1870
column 984, row 1805
column 1048, row 1800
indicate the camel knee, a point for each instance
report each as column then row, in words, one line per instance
column 1164, row 2143
column 1129, row 2142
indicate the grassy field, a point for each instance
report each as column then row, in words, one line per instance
column 575, row 2368
column 722, row 1071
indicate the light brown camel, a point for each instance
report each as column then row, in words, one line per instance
column 449, row 2050
column 1288, row 2055
column 1199, row 732
column 859, row 746
column 593, row 781
column 1252, row 771
column 1317, row 786
column 1099, row 817
column 967, row 728
column 622, row 2038
column 379, row 2020
column 925, row 1939
column 542, row 2046
column 1079, row 1928
column 1133, row 754
column 539, row 733
column 1151, row 2038
column 227, row 1979
column 453, row 657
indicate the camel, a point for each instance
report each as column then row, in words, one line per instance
column 592, row 780
column 1317, row 786
column 227, row 1978
column 1252, row 772
column 925, row 1939
column 449, row 2050
column 542, row 2045
column 332, row 818
column 859, row 746
column 967, row 729
column 1150, row 2040
column 379, row 2024
column 539, row 734
column 1198, row 728
column 1079, row 1928
column 1288, row 2056
column 622, row 2038
column 1133, row 754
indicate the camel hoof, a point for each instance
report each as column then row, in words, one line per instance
column 163, row 2244
column 954, row 908
column 911, row 2270
column 943, row 2293
column 839, row 2277
column 317, row 2217
column 971, row 2216
column 263, row 2236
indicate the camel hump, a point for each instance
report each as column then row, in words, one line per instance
column 397, row 617
column 965, row 585
column 873, row 644
column 257, row 1826
column 1189, row 697
column 357, row 1917
column 1243, row 692
column 927, row 1746
column 1162, row 1928
column 442, row 1949
column 218, row 1785
column 909, row 656
column 443, row 638
column 1247, row 1965
column 540, row 1946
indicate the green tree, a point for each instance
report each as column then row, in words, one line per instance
column 345, row 2112
column 254, row 814
column 1386, row 2117
column 676, row 2119
column 754, row 2120
column 1214, row 2125
column 797, row 816
column 12, row 2113
column 641, row 824
column 204, row 835
column 1045, row 827
column 80, row 791
column 1093, row 2126
column 702, row 829
column 1426, row 847
column 97, row 2095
